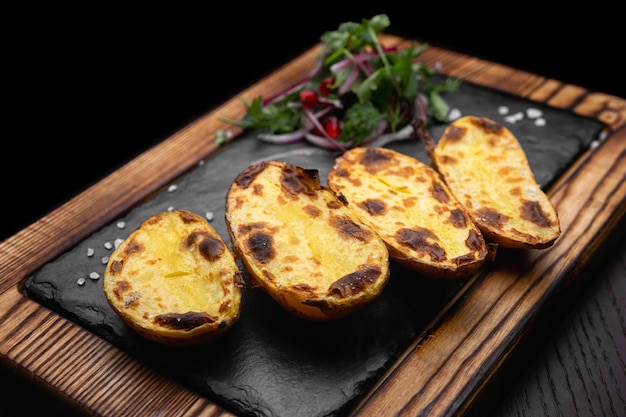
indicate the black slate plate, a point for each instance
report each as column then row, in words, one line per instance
column 271, row 363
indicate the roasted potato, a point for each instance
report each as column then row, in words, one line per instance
column 487, row 170
column 174, row 280
column 301, row 244
column 410, row 207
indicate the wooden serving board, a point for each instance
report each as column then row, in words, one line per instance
column 444, row 371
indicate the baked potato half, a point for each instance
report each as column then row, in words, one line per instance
column 488, row 171
column 410, row 207
column 301, row 244
column 174, row 280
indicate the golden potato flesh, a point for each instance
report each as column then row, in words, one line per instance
column 407, row 203
column 174, row 280
column 301, row 244
column 487, row 170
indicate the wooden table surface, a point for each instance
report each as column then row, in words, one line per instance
column 574, row 365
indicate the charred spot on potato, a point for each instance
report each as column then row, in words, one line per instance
column 312, row 211
column 454, row 133
column 492, row 217
column 188, row 217
column 261, row 245
column 474, row 241
column 210, row 248
column 132, row 300
column 492, row 140
column 116, row 267
column 505, row 171
column 349, row 229
column 374, row 160
column 354, row 283
column 191, row 239
column 457, row 218
column 402, row 171
column 248, row 175
column 439, row 192
column 422, row 240
column 306, row 289
column 374, row 206
column 121, row 288
column 250, row 227
column 123, row 291
column 345, row 174
column 447, row 160
column 294, row 182
column 488, row 125
column 409, row 202
column 133, row 247
column 342, row 173
column 531, row 211
column 183, row 321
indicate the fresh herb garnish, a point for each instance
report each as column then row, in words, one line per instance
column 360, row 93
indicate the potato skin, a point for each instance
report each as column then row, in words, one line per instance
column 174, row 280
column 410, row 207
column 301, row 244
column 487, row 170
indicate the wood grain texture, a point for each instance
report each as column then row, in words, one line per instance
column 582, row 370
column 443, row 373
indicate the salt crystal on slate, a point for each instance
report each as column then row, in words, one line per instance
column 533, row 113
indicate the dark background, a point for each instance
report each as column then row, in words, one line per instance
column 88, row 90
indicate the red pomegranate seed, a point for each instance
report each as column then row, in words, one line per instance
column 326, row 86
column 309, row 98
column 331, row 125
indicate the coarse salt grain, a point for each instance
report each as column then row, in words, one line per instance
column 172, row 187
column 80, row 281
column 540, row 122
column 454, row 114
column 515, row 117
column 121, row 225
column 209, row 215
column 108, row 245
column 94, row 275
column 105, row 260
column 118, row 242
column 90, row 252
column 533, row 113
column 502, row 110
column 170, row 208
